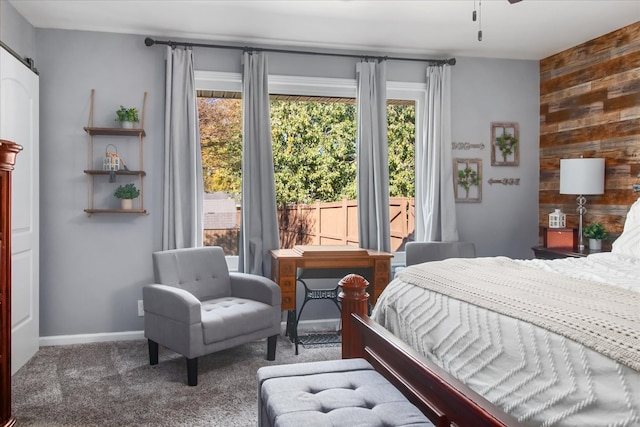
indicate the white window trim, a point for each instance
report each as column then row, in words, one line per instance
column 310, row 86
column 316, row 86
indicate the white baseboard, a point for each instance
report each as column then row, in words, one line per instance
column 89, row 338
column 303, row 326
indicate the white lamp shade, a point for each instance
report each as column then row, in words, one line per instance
column 581, row 176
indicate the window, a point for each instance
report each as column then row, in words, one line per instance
column 313, row 125
column 221, row 142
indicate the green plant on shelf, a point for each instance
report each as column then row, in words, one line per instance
column 127, row 191
column 127, row 115
column 595, row 230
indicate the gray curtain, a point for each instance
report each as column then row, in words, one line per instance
column 435, row 201
column 259, row 223
column 183, row 187
column 374, row 230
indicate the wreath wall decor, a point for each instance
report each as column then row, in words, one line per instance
column 467, row 177
column 505, row 146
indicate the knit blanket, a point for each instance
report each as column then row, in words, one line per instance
column 602, row 317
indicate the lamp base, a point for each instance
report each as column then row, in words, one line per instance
column 581, row 211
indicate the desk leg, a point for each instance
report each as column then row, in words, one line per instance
column 290, row 330
column 381, row 278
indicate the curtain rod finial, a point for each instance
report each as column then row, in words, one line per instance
column 149, row 41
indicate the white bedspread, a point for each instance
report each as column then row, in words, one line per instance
column 541, row 378
column 604, row 267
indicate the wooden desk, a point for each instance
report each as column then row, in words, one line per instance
column 285, row 262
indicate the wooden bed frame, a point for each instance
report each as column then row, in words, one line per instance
column 445, row 400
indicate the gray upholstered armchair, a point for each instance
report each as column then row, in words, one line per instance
column 197, row 307
column 418, row 252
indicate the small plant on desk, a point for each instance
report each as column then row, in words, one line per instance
column 595, row 230
column 596, row 234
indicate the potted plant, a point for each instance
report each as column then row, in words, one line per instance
column 595, row 233
column 127, row 117
column 127, row 193
column 507, row 144
column 468, row 177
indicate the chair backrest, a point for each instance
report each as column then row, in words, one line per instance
column 200, row 271
column 417, row 252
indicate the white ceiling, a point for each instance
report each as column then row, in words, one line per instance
column 530, row 29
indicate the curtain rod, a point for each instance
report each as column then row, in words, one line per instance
column 150, row 42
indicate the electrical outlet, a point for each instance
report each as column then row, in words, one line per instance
column 140, row 308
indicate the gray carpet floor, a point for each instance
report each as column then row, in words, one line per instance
column 106, row 384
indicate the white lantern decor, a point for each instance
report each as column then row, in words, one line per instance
column 111, row 164
column 111, row 161
column 557, row 219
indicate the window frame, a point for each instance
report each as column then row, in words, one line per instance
column 318, row 86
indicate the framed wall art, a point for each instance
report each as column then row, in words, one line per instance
column 467, row 180
column 505, row 144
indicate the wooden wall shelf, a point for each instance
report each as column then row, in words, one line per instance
column 95, row 131
column 120, row 172
column 135, row 211
column 99, row 174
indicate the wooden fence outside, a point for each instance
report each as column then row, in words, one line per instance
column 333, row 223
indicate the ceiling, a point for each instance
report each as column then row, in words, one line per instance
column 529, row 29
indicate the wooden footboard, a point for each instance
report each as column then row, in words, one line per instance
column 441, row 397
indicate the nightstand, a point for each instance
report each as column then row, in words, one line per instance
column 553, row 253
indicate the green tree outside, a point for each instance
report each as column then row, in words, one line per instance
column 221, row 144
column 314, row 149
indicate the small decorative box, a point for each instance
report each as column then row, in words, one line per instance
column 560, row 238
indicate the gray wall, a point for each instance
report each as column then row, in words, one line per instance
column 485, row 91
column 93, row 268
column 16, row 32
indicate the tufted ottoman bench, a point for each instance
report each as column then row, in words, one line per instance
column 332, row 393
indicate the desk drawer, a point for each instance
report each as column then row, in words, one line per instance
column 288, row 301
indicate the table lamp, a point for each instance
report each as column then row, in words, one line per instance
column 581, row 177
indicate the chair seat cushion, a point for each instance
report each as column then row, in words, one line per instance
column 224, row 318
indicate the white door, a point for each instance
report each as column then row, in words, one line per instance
column 19, row 115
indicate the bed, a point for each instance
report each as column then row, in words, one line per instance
column 549, row 342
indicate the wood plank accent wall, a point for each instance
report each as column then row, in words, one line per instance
column 590, row 106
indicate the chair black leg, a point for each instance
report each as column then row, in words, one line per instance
column 153, row 352
column 192, row 371
column 271, row 347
